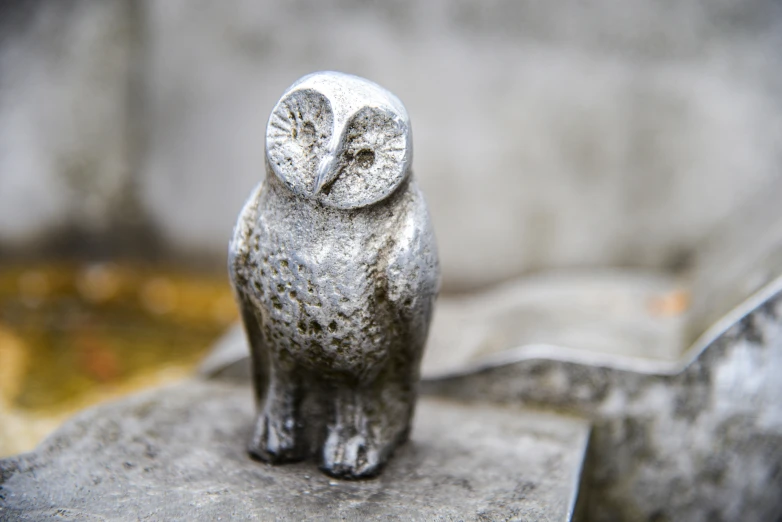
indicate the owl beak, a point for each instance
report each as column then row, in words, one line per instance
column 324, row 170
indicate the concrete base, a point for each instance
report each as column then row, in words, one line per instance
column 179, row 454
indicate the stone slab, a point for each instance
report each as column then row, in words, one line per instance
column 179, row 454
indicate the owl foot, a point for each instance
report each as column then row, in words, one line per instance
column 353, row 457
column 275, row 440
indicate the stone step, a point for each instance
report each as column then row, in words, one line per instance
column 179, row 454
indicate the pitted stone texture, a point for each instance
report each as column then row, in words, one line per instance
column 178, row 454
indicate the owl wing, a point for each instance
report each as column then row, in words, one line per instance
column 239, row 272
column 413, row 270
column 240, row 244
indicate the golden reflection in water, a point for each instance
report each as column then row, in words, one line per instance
column 75, row 335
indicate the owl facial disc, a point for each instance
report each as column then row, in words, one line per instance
column 340, row 140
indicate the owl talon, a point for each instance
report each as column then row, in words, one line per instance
column 351, row 458
column 274, row 441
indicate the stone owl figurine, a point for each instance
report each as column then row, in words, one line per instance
column 334, row 265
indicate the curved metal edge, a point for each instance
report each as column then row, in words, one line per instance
column 548, row 352
column 578, row 493
column 727, row 321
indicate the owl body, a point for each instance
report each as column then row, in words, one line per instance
column 335, row 269
column 340, row 296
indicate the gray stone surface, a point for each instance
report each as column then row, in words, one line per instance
column 179, row 454
column 700, row 443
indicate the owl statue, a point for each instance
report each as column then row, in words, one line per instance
column 334, row 265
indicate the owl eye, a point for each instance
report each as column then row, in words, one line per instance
column 365, row 158
column 298, row 132
column 372, row 160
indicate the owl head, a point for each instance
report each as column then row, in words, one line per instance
column 340, row 140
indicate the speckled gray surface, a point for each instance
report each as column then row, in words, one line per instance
column 179, row 454
column 703, row 444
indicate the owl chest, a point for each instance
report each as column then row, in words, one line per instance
column 316, row 272
column 320, row 298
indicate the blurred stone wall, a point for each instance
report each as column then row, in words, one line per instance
column 546, row 134
column 65, row 80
